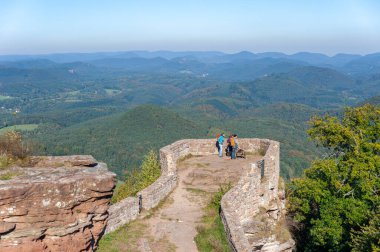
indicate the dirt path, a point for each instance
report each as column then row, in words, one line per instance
column 176, row 220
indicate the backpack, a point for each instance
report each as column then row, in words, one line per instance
column 217, row 144
column 232, row 142
column 217, row 136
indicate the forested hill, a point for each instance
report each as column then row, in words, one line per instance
column 122, row 139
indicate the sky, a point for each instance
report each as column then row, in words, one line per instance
column 289, row 26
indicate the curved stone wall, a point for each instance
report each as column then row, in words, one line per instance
column 256, row 193
column 150, row 197
column 257, row 187
column 125, row 211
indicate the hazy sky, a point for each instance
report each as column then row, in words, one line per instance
column 327, row 26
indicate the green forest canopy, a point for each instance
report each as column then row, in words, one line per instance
column 336, row 204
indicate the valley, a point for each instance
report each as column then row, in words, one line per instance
column 118, row 106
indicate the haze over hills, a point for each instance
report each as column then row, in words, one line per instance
column 269, row 95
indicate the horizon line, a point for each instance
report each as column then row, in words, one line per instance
column 188, row 51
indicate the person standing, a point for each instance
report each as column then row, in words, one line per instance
column 232, row 143
column 221, row 141
column 217, row 142
column 235, row 146
column 229, row 147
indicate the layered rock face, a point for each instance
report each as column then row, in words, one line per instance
column 59, row 204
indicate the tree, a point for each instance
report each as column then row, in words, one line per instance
column 333, row 204
column 135, row 181
column 150, row 170
column 368, row 238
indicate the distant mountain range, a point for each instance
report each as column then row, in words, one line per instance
column 206, row 56
column 243, row 65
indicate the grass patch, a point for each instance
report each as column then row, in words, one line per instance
column 5, row 161
column 211, row 235
column 128, row 237
column 4, row 97
column 196, row 190
column 123, row 239
column 8, row 175
column 112, row 91
column 72, row 100
column 73, row 93
column 19, row 127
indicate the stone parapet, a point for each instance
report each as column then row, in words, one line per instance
column 256, row 190
column 122, row 213
column 153, row 194
column 170, row 154
column 251, row 211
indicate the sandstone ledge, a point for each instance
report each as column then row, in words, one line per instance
column 60, row 204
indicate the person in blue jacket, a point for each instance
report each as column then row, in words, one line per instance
column 221, row 141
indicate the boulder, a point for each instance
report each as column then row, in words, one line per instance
column 59, row 204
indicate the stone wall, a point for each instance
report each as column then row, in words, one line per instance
column 253, row 210
column 59, row 204
column 257, row 188
column 122, row 213
column 153, row 194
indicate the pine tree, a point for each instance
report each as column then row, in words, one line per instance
column 150, row 170
column 135, row 181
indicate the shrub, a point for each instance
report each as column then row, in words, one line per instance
column 4, row 161
column 135, row 181
column 13, row 149
column 11, row 145
column 150, row 170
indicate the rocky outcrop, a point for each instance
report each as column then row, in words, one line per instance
column 59, row 204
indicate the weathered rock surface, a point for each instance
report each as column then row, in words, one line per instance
column 60, row 204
